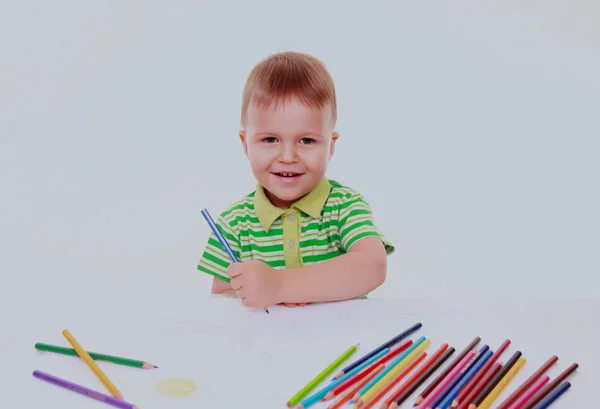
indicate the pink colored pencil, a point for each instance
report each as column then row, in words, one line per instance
column 446, row 381
column 522, row 400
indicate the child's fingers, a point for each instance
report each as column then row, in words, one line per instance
column 236, row 283
column 289, row 304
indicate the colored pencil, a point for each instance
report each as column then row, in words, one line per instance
column 389, row 344
column 552, row 396
column 355, row 378
column 444, row 393
column 415, row 381
column 348, row 395
column 395, row 370
column 549, row 387
column 449, row 368
column 440, row 387
column 317, row 396
column 494, row 381
column 528, row 394
column 530, row 381
column 321, row 376
column 215, row 229
column 95, row 356
column 368, row 402
column 82, row 390
column 469, row 386
column 93, row 366
column 480, row 385
column 473, row 369
column 390, row 367
column 500, row 386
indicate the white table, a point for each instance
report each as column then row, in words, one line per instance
column 246, row 358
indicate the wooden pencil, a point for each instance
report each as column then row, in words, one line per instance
column 530, row 381
column 448, row 369
column 550, row 387
column 95, row 356
column 553, row 395
column 365, row 371
column 471, row 384
column 500, row 386
column 442, row 395
column 480, row 385
column 528, row 394
column 93, row 366
column 387, row 344
column 494, row 381
column 369, row 402
column 348, row 395
column 424, row 372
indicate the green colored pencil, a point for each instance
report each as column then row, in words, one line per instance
column 96, row 356
column 320, row 377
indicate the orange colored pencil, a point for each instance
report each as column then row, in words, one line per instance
column 393, row 382
column 415, row 376
column 353, row 379
column 350, row 393
column 474, row 381
column 479, row 387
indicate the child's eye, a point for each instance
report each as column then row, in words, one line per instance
column 307, row 141
column 270, row 139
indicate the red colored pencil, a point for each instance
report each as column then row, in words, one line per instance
column 383, row 391
column 479, row 387
column 471, row 384
column 550, row 387
column 426, row 365
column 448, row 369
column 348, row 395
column 530, row 381
column 358, row 376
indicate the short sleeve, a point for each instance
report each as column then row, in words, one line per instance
column 215, row 260
column 356, row 222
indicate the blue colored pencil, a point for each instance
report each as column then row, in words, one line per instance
column 552, row 396
column 221, row 238
column 439, row 398
column 311, row 400
column 465, row 379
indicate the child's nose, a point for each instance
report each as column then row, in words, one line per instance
column 288, row 154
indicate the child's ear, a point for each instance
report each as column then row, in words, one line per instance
column 243, row 140
column 334, row 138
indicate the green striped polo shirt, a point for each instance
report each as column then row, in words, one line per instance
column 323, row 224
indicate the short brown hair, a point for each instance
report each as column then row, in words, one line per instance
column 289, row 74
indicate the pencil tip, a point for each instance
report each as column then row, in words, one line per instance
column 155, row 366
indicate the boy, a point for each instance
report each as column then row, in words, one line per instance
column 300, row 238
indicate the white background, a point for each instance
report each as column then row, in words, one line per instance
column 472, row 128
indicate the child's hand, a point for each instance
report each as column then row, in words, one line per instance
column 255, row 283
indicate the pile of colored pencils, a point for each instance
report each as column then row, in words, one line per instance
column 89, row 359
column 392, row 373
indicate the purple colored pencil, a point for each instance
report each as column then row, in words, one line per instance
column 83, row 390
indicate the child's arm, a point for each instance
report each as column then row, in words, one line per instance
column 361, row 270
column 348, row 276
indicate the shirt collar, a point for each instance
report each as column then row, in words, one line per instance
column 311, row 204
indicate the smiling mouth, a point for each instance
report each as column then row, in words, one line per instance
column 287, row 174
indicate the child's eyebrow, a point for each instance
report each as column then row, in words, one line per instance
column 302, row 135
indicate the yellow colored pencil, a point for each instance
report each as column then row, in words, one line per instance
column 393, row 372
column 493, row 395
column 93, row 366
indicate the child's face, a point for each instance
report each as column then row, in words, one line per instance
column 289, row 148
